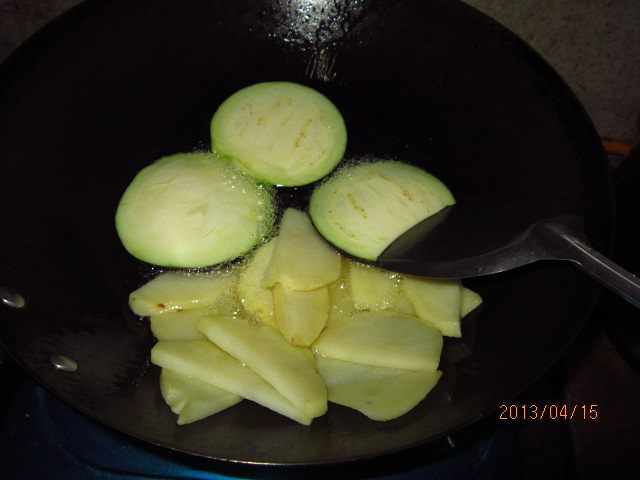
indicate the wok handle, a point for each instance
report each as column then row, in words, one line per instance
column 570, row 246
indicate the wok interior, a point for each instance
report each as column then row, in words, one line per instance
column 114, row 86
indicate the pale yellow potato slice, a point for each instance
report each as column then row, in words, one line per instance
column 179, row 291
column 373, row 288
column 263, row 349
column 402, row 304
column 256, row 299
column 192, row 399
column 302, row 259
column 176, row 325
column 205, row 361
column 300, row 314
column 380, row 393
column 385, row 339
column 437, row 302
column 340, row 302
column 470, row 301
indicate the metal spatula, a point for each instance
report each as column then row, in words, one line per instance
column 489, row 235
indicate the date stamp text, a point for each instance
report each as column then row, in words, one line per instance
column 549, row 412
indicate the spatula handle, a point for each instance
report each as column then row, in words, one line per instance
column 596, row 265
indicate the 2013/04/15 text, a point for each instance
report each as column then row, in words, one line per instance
column 549, row 411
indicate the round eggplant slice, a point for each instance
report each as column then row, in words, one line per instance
column 362, row 209
column 282, row 133
column 193, row 210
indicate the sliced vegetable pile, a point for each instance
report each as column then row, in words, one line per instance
column 327, row 328
column 294, row 324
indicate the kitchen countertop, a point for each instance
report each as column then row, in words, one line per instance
column 592, row 44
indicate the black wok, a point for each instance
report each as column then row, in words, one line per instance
column 113, row 85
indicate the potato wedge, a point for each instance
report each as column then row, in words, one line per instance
column 176, row 325
column 205, row 361
column 470, row 301
column 300, row 314
column 256, row 299
column 385, row 339
column 402, row 304
column 289, row 369
column 302, row 259
column 373, row 288
column 192, row 399
column 340, row 302
column 437, row 302
column 380, row 393
column 178, row 291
